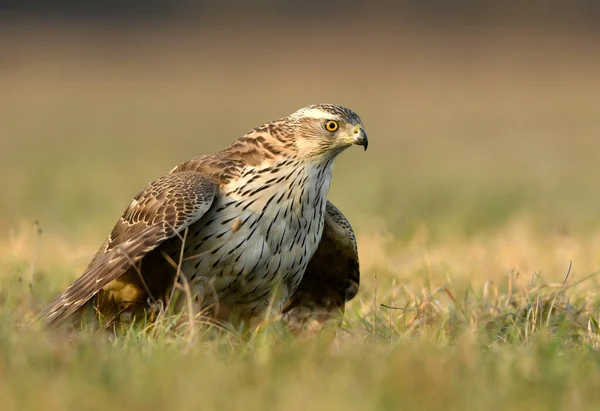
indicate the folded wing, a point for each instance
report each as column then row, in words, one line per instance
column 165, row 208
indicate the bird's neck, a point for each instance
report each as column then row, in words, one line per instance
column 293, row 183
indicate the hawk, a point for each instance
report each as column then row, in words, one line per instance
column 248, row 228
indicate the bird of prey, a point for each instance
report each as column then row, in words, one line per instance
column 249, row 229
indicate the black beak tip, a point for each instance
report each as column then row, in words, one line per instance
column 364, row 140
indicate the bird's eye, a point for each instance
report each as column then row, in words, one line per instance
column 331, row 125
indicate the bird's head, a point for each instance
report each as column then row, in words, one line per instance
column 326, row 129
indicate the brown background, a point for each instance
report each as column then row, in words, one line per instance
column 476, row 113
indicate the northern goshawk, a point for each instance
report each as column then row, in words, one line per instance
column 250, row 228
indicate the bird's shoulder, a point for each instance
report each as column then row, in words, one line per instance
column 260, row 144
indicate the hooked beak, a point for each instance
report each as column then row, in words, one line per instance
column 360, row 137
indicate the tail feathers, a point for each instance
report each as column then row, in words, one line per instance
column 103, row 269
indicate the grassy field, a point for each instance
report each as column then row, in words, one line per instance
column 477, row 212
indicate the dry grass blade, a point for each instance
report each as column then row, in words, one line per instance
column 558, row 292
column 181, row 283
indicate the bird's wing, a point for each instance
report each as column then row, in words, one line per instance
column 165, row 208
column 333, row 275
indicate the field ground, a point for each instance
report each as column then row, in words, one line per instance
column 476, row 208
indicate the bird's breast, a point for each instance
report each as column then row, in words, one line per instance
column 258, row 236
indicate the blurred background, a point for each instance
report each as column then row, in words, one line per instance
column 478, row 113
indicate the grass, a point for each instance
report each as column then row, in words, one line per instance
column 475, row 209
column 424, row 333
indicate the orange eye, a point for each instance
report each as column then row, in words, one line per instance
column 331, row 125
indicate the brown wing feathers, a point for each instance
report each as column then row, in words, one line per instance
column 343, row 236
column 166, row 207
